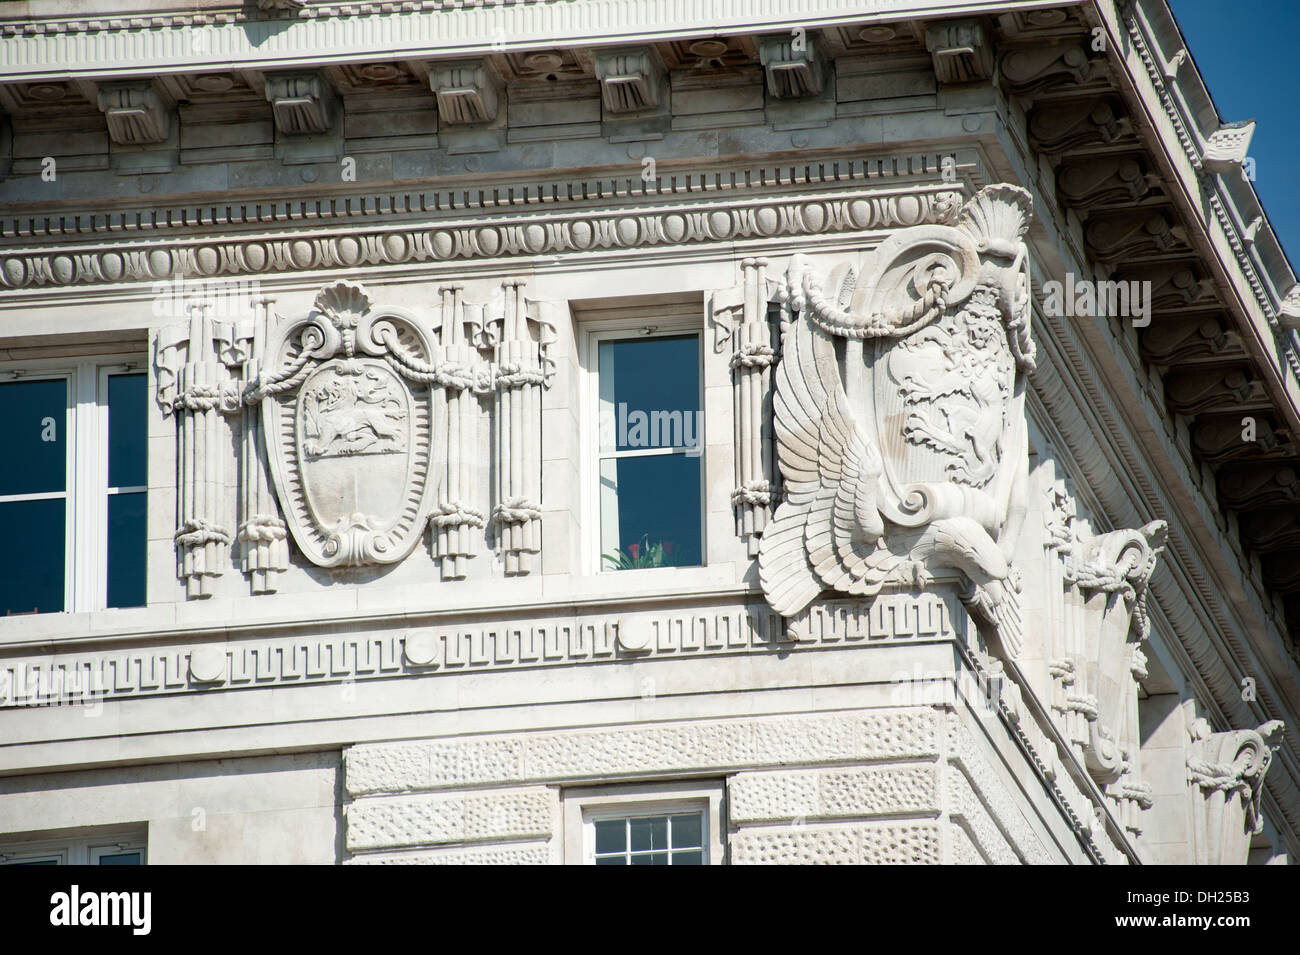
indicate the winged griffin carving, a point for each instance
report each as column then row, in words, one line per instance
column 899, row 413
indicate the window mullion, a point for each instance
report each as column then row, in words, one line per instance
column 91, row 477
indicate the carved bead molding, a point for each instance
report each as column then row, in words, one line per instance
column 1097, row 594
column 481, row 237
column 741, row 318
column 899, row 413
column 135, row 114
column 1225, row 773
column 360, row 426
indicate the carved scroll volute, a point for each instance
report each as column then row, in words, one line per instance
column 203, row 390
column 899, row 416
column 520, row 374
column 1096, row 656
column 348, row 415
column 1225, row 774
column 264, row 548
column 458, row 519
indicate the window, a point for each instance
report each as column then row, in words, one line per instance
column 676, row 839
column 651, row 824
column 80, row 847
column 74, row 488
column 649, row 447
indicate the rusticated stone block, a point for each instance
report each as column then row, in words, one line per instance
column 904, row 843
column 869, row 791
column 580, row 754
column 429, row 820
column 530, row 854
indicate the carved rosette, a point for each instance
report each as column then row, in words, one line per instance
column 899, row 416
column 1225, row 774
column 348, row 415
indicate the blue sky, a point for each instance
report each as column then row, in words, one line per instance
column 1246, row 53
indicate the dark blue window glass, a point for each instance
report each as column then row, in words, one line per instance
column 122, row 858
column 127, row 431
column 650, row 393
column 126, row 549
column 33, row 422
column 31, row 577
column 651, row 438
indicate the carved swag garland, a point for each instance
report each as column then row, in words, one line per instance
column 359, row 430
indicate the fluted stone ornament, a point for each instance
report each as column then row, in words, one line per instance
column 348, row 415
column 899, row 414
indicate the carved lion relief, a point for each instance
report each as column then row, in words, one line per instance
column 899, row 413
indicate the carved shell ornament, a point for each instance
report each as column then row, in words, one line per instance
column 899, row 412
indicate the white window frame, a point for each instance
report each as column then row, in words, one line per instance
column 85, row 569
column 583, row 806
column 642, row 323
column 82, row 846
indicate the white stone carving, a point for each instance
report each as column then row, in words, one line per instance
column 348, row 411
column 754, row 352
column 263, row 544
column 1100, row 587
column 899, row 415
column 458, row 519
column 1225, row 774
column 198, row 390
column 522, row 368
column 469, row 238
column 1226, row 148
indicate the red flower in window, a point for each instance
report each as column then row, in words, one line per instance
column 634, row 550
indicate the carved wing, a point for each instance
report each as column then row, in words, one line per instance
column 831, row 472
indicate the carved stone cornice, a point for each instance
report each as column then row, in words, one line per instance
column 480, row 237
column 571, row 193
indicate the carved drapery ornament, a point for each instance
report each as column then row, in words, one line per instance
column 1225, row 774
column 899, row 416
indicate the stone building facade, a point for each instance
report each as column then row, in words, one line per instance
column 634, row 431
